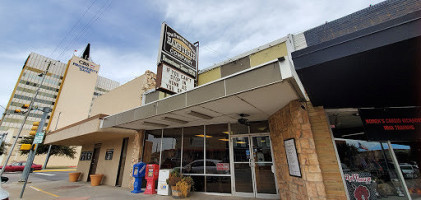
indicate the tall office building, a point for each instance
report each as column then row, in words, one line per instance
column 77, row 80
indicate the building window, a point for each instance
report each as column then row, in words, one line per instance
column 171, row 149
column 193, row 150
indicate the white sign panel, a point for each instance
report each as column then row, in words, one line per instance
column 174, row 80
column 163, row 187
column 292, row 157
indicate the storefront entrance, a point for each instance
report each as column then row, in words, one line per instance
column 252, row 166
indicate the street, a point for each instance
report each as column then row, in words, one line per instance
column 38, row 176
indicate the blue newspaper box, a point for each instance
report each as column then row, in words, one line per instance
column 138, row 173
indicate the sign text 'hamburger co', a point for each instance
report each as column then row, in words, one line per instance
column 177, row 52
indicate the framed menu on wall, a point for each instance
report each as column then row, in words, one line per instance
column 292, row 157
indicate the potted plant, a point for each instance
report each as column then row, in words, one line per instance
column 180, row 185
column 172, row 180
column 185, row 186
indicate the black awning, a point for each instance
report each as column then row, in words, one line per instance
column 375, row 68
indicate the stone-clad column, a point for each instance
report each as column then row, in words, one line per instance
column 136, row 153
column 292, row 121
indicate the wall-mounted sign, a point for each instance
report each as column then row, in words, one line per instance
column 292, row 157
column 86, row 155
column 176, row 51
column 109, row 154
column 395, row 124
column 84, row 65
column 39, row 137
column 172, row 80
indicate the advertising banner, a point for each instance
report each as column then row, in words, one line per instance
column 395, row 124
column 176, row 51
column 360, row 186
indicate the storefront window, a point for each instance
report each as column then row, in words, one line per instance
column 220, row 184
column 171, row 149
column 217, row 149
column 152, row 147
column 408, row 158
column 193, row 150
column 239, row 129
column 369, row 170
column 259, row 127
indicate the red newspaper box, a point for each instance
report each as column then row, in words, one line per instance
column 151, row 175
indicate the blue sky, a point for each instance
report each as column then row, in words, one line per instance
column 124, row 35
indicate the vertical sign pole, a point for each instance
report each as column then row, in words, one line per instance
column 31, row 156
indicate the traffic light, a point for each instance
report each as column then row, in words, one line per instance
column 34, row 128
column 25, row 147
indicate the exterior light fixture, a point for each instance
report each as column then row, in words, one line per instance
column 225, row 140
column 199, row 115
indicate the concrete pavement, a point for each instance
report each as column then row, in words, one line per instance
column 65, row 190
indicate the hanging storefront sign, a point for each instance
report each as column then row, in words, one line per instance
column 292, row 157
column 395, row 124
column 172, row 80
column 176, row 51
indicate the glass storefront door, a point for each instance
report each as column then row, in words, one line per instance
column 253, row 167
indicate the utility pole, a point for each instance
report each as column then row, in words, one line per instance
column 39, row 137
column 24, row 119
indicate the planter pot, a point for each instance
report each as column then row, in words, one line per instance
column 178, row 194
column 74, row 177
column 175, row 193
column 96, row 179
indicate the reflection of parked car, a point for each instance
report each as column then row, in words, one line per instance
column 197, row 167
column 19, row 166
column 408, row 170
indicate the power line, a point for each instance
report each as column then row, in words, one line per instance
column 73, row 28
column 95, row 18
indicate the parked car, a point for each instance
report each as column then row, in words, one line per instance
column 19, row 166
column 408, row 170
column 197, row 167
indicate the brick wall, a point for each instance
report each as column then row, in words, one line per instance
column 332, row 178
column 293, row 121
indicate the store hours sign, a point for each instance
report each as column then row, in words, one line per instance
column 172, row 80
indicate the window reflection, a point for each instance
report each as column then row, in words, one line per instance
column 408, row 158
column 217, row 149
column 193, row 146
column 171, row 149
column 368, row 167
column 152, row 147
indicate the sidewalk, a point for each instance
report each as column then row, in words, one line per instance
column 65, row 190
